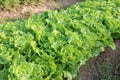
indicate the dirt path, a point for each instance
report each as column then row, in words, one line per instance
column 103, row 67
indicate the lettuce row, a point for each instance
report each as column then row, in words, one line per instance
column 54, row 44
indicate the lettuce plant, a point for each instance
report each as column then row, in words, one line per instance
column 54, row 44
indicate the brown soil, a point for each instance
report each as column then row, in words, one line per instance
column 26, row 10
column 106, row 66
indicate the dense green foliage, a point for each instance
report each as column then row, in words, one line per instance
column 12, row 3
column 54, row 44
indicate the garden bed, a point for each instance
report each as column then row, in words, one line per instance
column 105, row 66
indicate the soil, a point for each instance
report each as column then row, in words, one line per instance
column 106, row 66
